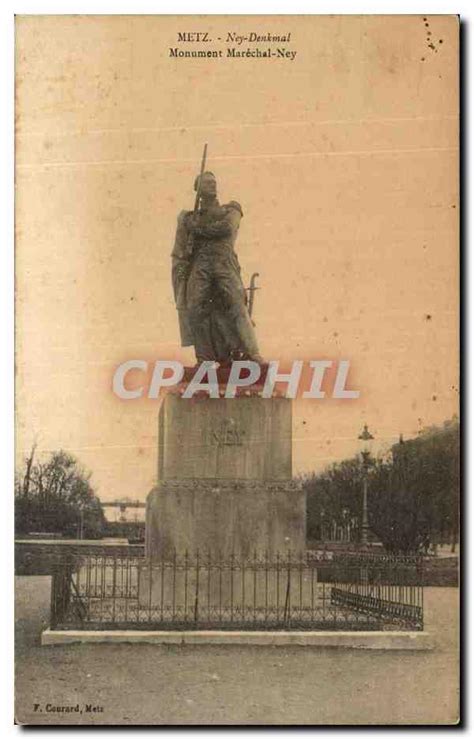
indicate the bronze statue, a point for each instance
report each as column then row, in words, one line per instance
column 208, row 289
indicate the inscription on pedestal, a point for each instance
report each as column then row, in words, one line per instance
column 234, row 439
column 228, row 434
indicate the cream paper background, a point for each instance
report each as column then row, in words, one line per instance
column 345, row 162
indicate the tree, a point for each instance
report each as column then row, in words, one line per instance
column 413, row 493
column 56, row 496
column 333, row 496
column 427, row 469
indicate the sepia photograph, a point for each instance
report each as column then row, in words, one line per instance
column 237, row 370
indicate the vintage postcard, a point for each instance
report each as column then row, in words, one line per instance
column 237, row 370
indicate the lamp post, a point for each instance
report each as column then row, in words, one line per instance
column 366, row 439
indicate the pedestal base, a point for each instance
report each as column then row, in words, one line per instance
column 386, row 640
column 225, row 517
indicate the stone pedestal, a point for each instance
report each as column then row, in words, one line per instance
column 225, row 517
column 224, row 479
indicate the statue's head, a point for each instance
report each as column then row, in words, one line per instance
column 208, row 184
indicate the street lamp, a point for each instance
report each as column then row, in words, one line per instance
column 366, row 440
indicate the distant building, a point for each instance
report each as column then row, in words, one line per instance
column 116, row 512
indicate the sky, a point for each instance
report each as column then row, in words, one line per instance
column 345, row 162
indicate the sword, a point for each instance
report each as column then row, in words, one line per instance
column 251, row 291
column 190, row 243
column 198, row 191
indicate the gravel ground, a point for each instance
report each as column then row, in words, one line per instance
column 207, row 685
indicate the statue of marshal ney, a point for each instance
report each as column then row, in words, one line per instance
column 208, row 289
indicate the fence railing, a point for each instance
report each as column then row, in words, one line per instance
column 203, row 591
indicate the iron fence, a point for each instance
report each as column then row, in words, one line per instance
column 205, row 591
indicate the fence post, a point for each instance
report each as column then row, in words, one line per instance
column 232, row 557
column 196, row 597
column 150, row 586
column 174, row 585
column 55, row 590
column 243, row 587
column 162, row 588
column 254, row 585
column 278, row 585
column 114, row 586
column 286, row 612
column 266, row 585
column 186, row 565
column 208, row 584
column 60, row 592
column 421, row 588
